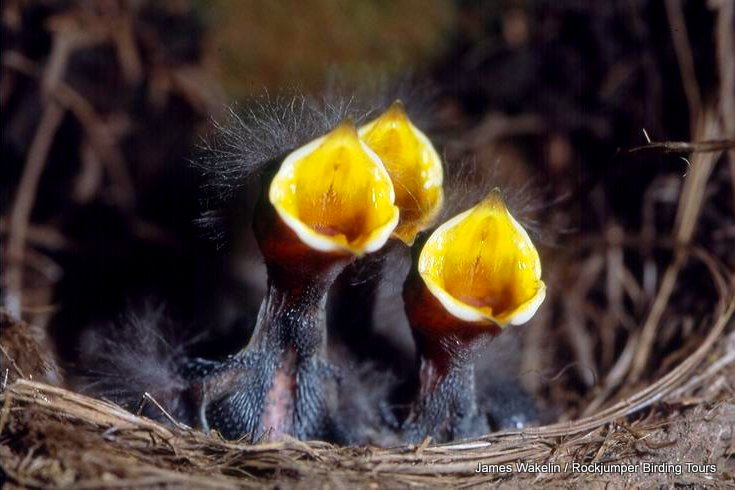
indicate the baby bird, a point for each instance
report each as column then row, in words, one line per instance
column 327, row 203
column 476, row 274
column 416, row 170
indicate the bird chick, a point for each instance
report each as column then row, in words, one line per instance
column 140, row 352
column 476, row 274
column 416, row 170
column 329, row 202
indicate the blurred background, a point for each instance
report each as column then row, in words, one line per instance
column 105, row 104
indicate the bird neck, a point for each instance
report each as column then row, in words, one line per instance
column 446, row 405
column 292, row 315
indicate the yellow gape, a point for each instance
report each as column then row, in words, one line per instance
column 482, row 266
column 335, row 194
column 413, row 165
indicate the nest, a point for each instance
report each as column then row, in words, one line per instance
column 666, row 354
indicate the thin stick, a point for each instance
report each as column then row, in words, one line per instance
column 684, row 147
column 168, row 416
column 711, row 370
column 101, row 137
column 683, row 49
column 725, row 42
column 12, row 362
column 5, row 412
column 23, row 205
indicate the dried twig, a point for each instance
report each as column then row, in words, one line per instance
column 101, row 138
column 24, row 199
column 725, row 31
column 684, row 55
column 12, row 362
column 684, row 147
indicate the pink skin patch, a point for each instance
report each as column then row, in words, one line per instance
column 279, row 404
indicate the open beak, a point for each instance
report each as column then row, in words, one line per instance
column 336, row 195
column 482, row 266
column 413, row 165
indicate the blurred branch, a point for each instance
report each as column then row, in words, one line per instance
column 101, row 139
column 684, row 147
column 683, row 49
column 725, row 32
column 59, row 97
column 24, row 198
column 39, row 235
